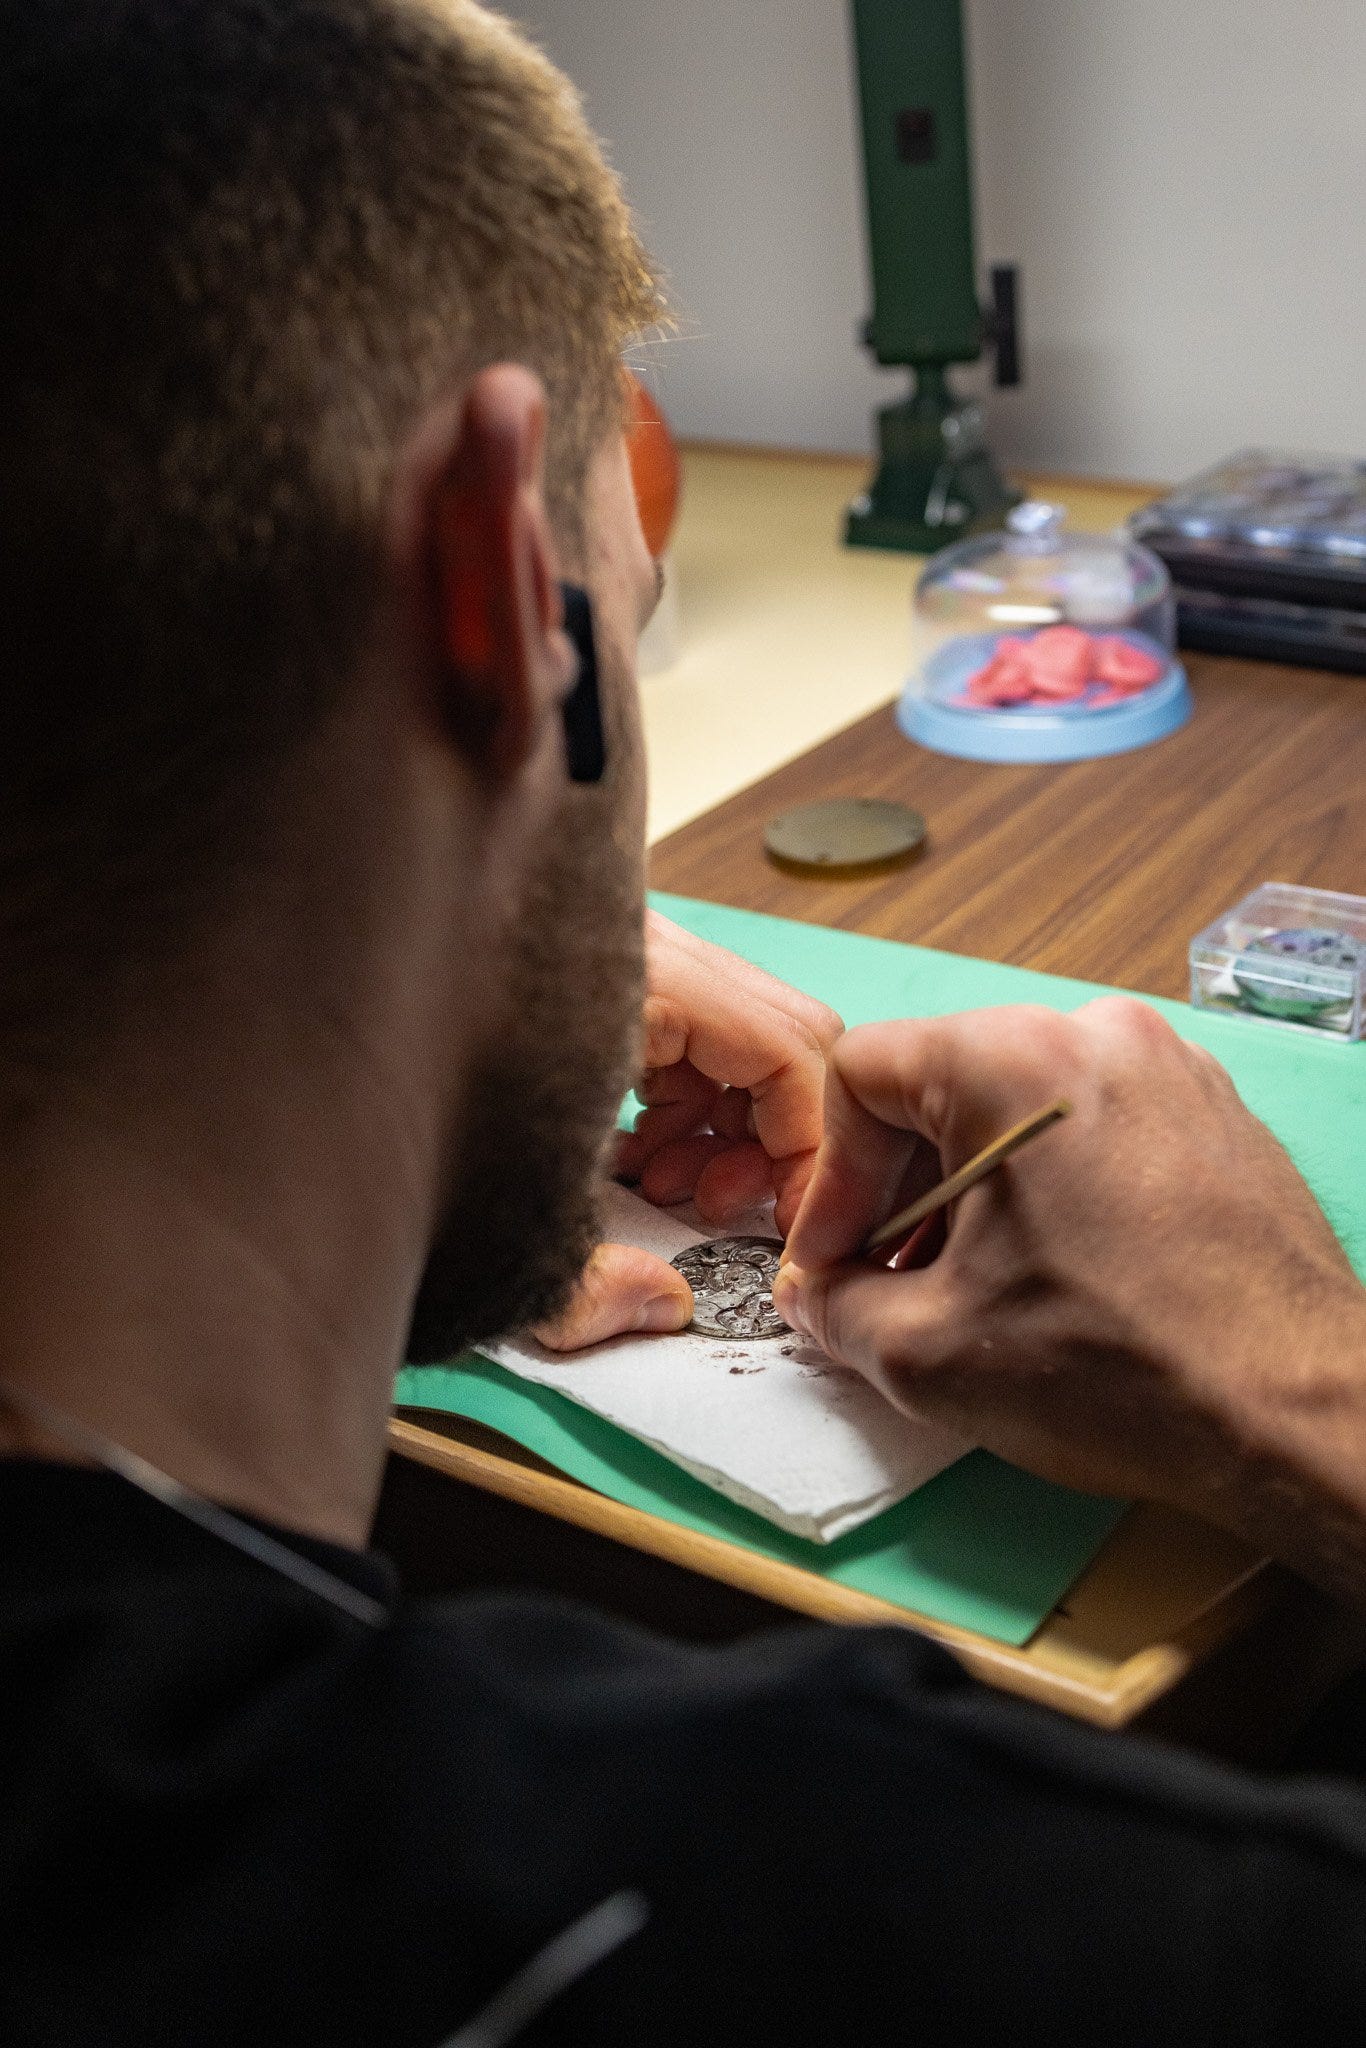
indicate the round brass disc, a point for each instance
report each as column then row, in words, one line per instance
column 844, row 836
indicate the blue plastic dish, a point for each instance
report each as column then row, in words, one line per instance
column 931, row 714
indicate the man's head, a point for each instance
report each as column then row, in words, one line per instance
column 279, row 537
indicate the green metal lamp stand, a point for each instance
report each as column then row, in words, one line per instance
column 936, row 480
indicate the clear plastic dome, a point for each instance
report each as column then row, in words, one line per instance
column 1038, row 644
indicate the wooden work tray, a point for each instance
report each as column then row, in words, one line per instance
column 1174, row 1626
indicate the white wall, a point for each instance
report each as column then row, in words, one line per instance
column 1183, row 181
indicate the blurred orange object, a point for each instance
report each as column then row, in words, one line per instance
column 654, row 466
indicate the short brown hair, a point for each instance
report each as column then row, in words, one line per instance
column 245, row 243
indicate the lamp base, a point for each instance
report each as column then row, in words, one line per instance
column 936, row 482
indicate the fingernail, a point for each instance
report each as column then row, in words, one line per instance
column 787, row 1298
column 664, row 1312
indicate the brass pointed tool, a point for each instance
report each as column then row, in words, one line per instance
column 899, row 1227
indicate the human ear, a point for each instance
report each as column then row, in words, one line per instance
column 502, row 662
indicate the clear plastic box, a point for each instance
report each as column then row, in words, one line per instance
column 1293, row 957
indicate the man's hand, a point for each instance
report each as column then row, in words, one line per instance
column 733, row 1082
column 1147, row 1301
column 733, row 1087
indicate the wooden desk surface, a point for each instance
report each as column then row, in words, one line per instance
column 1104, row 870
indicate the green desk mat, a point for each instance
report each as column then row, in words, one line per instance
column 983, row 1546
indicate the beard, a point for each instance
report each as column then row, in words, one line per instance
column 543, row 1095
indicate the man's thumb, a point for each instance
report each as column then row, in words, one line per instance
column 619, row 1291
column 861, row 1316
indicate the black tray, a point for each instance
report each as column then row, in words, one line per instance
column 1264, row 629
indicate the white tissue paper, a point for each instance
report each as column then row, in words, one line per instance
column 770, row 1423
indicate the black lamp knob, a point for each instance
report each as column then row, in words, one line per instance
column 1002, row 323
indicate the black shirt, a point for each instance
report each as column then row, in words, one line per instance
column 230, row 1813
